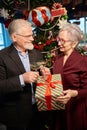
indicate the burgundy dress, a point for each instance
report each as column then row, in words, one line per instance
column 74, row 76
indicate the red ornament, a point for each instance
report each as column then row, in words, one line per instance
column 7, row 22
column 16, row 3
column 26, row 12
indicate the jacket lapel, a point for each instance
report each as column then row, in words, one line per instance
column 14, row 56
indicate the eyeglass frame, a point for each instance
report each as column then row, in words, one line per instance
column 25, row 36
column 63, row 41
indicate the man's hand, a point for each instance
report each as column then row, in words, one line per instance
column 30, row 77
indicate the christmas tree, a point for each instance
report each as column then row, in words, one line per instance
column 47, row 22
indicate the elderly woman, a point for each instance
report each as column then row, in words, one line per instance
column 73, row 68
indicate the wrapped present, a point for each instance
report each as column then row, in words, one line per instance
column 47, row 91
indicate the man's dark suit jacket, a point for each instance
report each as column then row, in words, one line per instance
column 15, row 100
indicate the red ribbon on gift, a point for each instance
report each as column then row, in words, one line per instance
column 49, row 84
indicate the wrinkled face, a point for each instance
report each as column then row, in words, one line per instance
column 23, row 38
column 65, row 43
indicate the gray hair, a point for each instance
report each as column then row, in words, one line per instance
column 74, row 31
column 17, row 25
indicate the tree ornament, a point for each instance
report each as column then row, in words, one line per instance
column 39, row 16
column 7, row 22
column 4, row 13
column 66, row 17
column 48, row 24
column 62, row 22
column 26, row 12
column 48, row 56
column 57, row 10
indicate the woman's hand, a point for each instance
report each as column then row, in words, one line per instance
column 68, row 94
column 45, row 71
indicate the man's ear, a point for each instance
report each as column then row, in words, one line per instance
column 13, row 37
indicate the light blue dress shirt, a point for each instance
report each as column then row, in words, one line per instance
column 26, row 64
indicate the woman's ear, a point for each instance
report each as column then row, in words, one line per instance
column 74, row 44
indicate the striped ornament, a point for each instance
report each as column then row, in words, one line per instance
column 39, row 16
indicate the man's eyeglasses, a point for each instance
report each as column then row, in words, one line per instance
column 62, row 40
column 25, row 36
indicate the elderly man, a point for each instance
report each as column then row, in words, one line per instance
column 17, row 81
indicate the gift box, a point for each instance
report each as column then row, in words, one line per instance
column 47, row 90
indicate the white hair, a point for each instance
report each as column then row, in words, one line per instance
column 74, row 31
column 17, row 25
